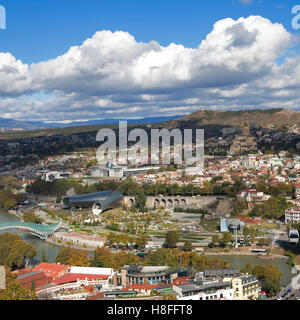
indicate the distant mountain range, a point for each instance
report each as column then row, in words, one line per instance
column 202, row 118
column 10, row 124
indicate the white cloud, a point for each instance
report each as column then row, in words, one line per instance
column 112, row 73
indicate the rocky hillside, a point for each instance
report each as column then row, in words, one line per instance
column 276, row 117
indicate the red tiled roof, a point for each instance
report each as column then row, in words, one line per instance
column 22, row 271
column 52, row 269
column 39, row 279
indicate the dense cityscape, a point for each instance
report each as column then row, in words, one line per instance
column 168, row 230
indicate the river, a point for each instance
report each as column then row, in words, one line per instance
column 52, row 250
column 240, row 261
column 41, row 246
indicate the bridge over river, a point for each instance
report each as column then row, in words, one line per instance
column 39, row 230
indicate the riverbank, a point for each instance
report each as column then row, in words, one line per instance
column 90, row 249
column 271, row 256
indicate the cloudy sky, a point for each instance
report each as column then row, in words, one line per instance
column 132, row 58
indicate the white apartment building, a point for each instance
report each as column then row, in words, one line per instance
column 292, row 215
column 205, row 291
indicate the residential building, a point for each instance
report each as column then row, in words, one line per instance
column 205, row 291
column 292, row 215
column 245, row 287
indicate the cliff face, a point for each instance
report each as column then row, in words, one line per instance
column 224, row 206
column 261, row 117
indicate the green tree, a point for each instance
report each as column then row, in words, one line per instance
column 270, row 277
column 14, row 251
column 172, row 238
column 162, row 257
column 141, row 242
column 75, row 257
column 33, row 286
column 215, row 240
column 187, row 246
column 14, row 290
column 140, row 200
column 31, row 217
column 248, row 268
column 227, row 237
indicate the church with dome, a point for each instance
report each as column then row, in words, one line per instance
column 244, row 142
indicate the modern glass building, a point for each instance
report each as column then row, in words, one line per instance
column 99, row 201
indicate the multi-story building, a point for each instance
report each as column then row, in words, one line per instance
column 79, row 239
column 147, row 275
column 245, row 287
column 223, row 225
column 205, row 291
column 292, row 215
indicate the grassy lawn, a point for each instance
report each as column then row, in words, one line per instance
column 263, row 226
column 211, row 226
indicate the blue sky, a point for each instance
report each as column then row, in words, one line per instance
column 138, row 72
column 41, row 30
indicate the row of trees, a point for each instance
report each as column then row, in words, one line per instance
column 8, row 200
column 114, row 240
column 130, row 187
column 281, row 189
column 103, row 257
column 269, row 275
column 273, row 208
column 224, row 240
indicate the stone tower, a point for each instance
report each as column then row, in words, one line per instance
column 2, row 278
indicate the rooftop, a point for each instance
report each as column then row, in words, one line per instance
column 91, row 271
